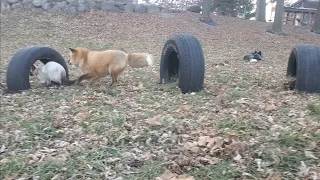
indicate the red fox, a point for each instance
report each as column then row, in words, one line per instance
column 97, row 64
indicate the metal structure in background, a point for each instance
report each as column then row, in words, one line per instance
column 301, row 13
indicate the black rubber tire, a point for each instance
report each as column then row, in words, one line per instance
column 17, row 76
column 182, row 54
column 304, row 65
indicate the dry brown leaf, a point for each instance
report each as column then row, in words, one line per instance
column 220, row 90
column 192, row 146
column 304, row 170
column 202, row 141
column 168, row 175
column 312, row 145
column 186, row 107
column 154, row 121
column 136, row 88
column 218, row 142
column 270, row 107
column 183, row 160
column 242, row 101
column 208, row 160
column 183, row 177
column 275, row 176
column 81, row 116
column 310, row 155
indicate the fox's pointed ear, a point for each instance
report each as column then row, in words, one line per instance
column 72, row 50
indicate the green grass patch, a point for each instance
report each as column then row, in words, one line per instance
column 47, row 170
column 148, row 134
column 47, row 25
column 15, row 165
column 104, row 124
column 292, row 140
column 9, row 118
column 90, row 163
column 289, row 162
column 40, row 128
column 314, row 111
column 56, row 96
column 224, row 79
column 241, row 126
column 170, row 87
column 237, row 93
column 204, row 94
column 221, row 171
column 103, row 119
column 147, row 172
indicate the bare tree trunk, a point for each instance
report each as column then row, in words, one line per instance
column 278, row 21
column 316, row 24
column 261, row 11
column 206, row 6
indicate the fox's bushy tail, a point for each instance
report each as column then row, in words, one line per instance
column 139, row 60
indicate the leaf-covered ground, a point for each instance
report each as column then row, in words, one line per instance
column 243, row 125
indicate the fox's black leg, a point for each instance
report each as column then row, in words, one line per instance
column 86, row 76
column 83, row 77
column 68, row 81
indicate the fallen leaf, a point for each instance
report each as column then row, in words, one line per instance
column 271, row 107
column 202, row 141
column 154, row 121
column 208, row 160
column 248, row 175
column 60, row 144
column 192, row 146
column 304, row 170
column 183, row 160
column 82, row 116
column 218, row 142
column 274, row 176
column 3, row 148
column 136, row 88
column 167, row 175
column 91, row 98
column 186, row 107
column 242, row 101
column 292, row 113
column 310, row 155
column 270, row 119
column 259, row 161
column 237, row 158
column 56, row 177
column 312, row 145
column 183, row 177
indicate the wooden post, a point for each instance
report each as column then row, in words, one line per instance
column 316, row 24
